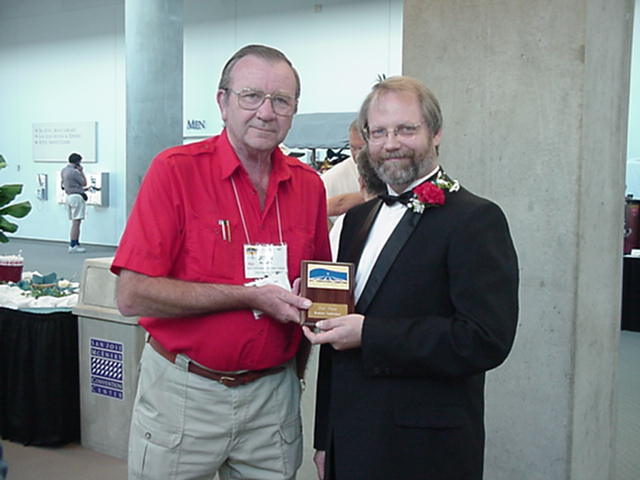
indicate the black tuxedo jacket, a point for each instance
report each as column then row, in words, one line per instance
column 440, row 307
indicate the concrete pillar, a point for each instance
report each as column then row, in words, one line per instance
column 535, row 95
column 153, row 43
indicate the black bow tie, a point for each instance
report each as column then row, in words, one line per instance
column 403, row 198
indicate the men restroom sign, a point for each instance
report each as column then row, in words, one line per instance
column 107, row 377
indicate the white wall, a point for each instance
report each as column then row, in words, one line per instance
column 338, row 49
column 63, row 60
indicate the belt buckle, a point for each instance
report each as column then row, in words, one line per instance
column 223, row 379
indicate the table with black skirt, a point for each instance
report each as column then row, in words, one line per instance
column 39, row 386
column 631, row 293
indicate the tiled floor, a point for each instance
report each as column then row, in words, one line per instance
column 71, row 462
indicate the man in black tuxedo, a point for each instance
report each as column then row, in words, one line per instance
column 401, row 382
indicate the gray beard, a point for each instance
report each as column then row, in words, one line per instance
column 391, row 175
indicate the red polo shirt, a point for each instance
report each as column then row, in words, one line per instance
column 173, row 231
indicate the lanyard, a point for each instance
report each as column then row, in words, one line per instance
column 244, row 223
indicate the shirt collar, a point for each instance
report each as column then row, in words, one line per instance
column 280, row 170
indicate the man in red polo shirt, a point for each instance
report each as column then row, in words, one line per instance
column 207, row 259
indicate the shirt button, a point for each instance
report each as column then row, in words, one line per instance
column 147, row 435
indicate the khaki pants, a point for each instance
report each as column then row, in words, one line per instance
column 185, row 426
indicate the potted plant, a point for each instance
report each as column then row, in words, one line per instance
column 8, row 193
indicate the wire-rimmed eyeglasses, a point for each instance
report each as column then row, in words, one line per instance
column 407, row 130
column 251, row 99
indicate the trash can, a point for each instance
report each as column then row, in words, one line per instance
column 110, row 346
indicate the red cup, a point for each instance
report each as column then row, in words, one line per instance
column 10, row 273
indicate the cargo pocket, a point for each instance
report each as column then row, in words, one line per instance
column 291, row 443
column 157, row 422
column 153, row 452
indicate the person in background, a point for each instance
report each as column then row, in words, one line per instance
column 370, row 187
column 74, row 185
column 214, row 240
column 401, row 381
column 341, row 181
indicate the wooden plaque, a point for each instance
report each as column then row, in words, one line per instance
column 329, row 285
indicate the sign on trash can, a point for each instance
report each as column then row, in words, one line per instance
column 110, row 346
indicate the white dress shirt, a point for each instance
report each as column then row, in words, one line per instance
column 340, row 179
column 334, row 236
column 383, row 226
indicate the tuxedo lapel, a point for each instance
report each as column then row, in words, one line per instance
column 387, row 256
column 356, row 247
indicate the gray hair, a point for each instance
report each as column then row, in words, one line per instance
column 261, row 51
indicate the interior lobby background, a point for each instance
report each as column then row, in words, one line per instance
column 64, row 61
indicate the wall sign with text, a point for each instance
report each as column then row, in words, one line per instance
column 55, row 141
column 197, row 128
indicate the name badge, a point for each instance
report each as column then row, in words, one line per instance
column 280, row 279
column 262, row 260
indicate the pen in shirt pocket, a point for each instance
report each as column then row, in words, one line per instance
column 225, row 229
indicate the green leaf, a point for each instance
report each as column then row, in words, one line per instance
column 9, row 192
column 7, row 226
column 17, row 210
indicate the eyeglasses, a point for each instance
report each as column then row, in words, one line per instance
column 403, row 131
column 250, row 99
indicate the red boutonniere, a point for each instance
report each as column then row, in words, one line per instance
column 431, row 194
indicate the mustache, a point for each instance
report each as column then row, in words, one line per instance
column 398, row 154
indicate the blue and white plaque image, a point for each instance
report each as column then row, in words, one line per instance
column 327, row 276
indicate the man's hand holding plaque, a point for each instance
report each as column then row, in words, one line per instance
column 329, row 285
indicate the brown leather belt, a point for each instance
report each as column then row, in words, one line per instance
column 226, row 379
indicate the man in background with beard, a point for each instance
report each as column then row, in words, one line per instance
column 401, row 381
